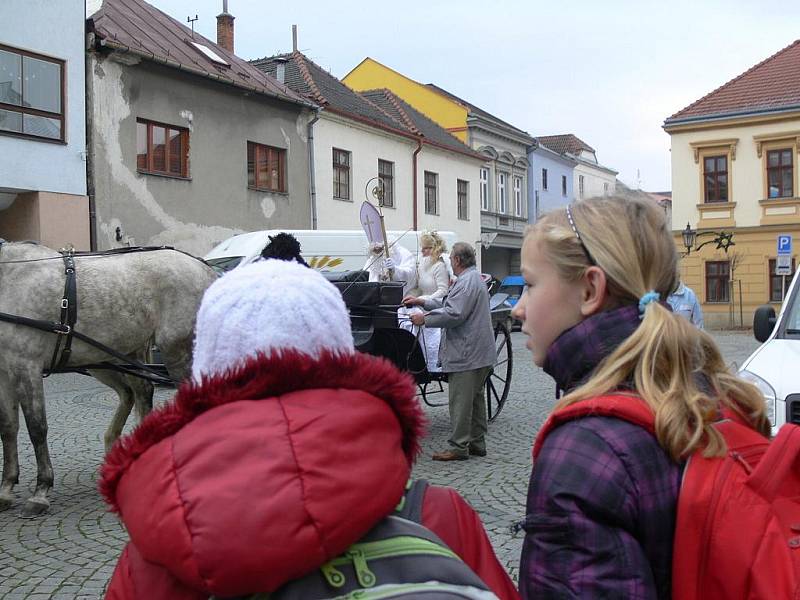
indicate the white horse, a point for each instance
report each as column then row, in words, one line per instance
column 124, row 301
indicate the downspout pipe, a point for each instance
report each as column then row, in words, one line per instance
column 311, row 177
column 414, row 182
column 89, row 125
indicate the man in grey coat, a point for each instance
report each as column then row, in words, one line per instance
column 466, row 351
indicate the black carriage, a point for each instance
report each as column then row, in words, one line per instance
column 373, row 316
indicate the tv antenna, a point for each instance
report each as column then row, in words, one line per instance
column 191, row 20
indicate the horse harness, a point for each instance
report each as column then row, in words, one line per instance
column 69, row 314
column 65, row 329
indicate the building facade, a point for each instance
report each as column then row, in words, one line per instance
column 502, row 190
column 428, row 176
column 589, row 177
column 734, row 170
column 42, row 123
column 550, row 180
column 190, row 144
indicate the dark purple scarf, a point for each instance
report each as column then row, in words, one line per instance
column 574, row 354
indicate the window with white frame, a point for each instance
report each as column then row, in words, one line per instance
column 484, row 189
column 386, row 174
column 580, row 186
column 518, row 196
column 431, row 193
column 462, row 190
column 502, row 207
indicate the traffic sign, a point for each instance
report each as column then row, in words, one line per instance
column 783, row 266
column 785, row 244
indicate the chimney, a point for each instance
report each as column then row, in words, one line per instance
column 280, row 70
column 294, row 38
column 225, row 28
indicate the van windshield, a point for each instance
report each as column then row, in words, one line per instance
column 224, row 264
column 513, row 291
column 792, row 326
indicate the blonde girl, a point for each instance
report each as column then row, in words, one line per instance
column 603, row 492
column 433, row 279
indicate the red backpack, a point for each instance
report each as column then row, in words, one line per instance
column 737, row 534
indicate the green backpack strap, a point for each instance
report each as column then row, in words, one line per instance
column 410, row 505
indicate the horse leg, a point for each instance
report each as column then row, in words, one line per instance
column 9, row 428
column 30, row 391
column 177, row 355
column 118, row 383
column 143, row 392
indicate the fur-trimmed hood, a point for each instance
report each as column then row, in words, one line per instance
column 248, row 480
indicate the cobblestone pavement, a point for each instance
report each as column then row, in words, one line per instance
column 71, row 551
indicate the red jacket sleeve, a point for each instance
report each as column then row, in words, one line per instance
column 449, row 516
column 135, row 578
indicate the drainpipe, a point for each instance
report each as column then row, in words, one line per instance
column 311, row 167
column 414, row 180
column 89, row 125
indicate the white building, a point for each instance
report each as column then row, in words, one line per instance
column 430, row 179
column 42, row 123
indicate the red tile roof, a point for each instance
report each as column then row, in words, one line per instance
column 771, row 85
column 567, row 142
column 136, row 26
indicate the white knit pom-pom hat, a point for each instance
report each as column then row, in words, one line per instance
column 268, row 306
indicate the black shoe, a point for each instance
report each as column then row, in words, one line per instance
column 476, row 452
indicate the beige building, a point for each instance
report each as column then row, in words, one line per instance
column 734, row 170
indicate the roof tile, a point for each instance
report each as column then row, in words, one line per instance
column 137, row 26
column 772, row 84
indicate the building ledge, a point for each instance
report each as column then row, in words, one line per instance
column 780, row 211
column 716, row 214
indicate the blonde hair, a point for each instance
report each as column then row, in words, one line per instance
column 676, row 368
column 435, row 241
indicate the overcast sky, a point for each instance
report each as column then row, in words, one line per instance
column 608, row 71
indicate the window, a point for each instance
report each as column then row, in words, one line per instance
column 386, row 173
column 563, row 185
column 463, row 199
column 31, row 94
column 162, row 149
column 341, row 174
column 580, row 186
column 715, row 178
column 484, row 189
column 717, row 275
column 776, row 282
column 605, row 189
column 780, row 173
column 544, row 179
column 518, row 196
column 266, row 168
column 431, row 193
column 501, row 193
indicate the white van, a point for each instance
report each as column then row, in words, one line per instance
column 324, row 250
column 773, row 366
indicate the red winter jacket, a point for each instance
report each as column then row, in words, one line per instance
column 246, row 482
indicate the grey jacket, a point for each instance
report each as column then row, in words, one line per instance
column 468, row 337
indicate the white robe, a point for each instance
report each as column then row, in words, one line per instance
column 434, row 281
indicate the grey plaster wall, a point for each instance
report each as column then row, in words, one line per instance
column 215, row 202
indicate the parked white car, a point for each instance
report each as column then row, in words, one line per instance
column 775, row 367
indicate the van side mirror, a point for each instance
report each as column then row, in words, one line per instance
column 763, row 322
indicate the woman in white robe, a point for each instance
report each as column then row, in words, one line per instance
column 433, row 281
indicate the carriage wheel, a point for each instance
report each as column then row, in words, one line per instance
column 499, row 380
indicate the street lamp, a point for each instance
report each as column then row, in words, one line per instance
column 721, row 239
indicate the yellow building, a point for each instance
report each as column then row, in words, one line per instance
column 503, row 187
column 734, row 170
